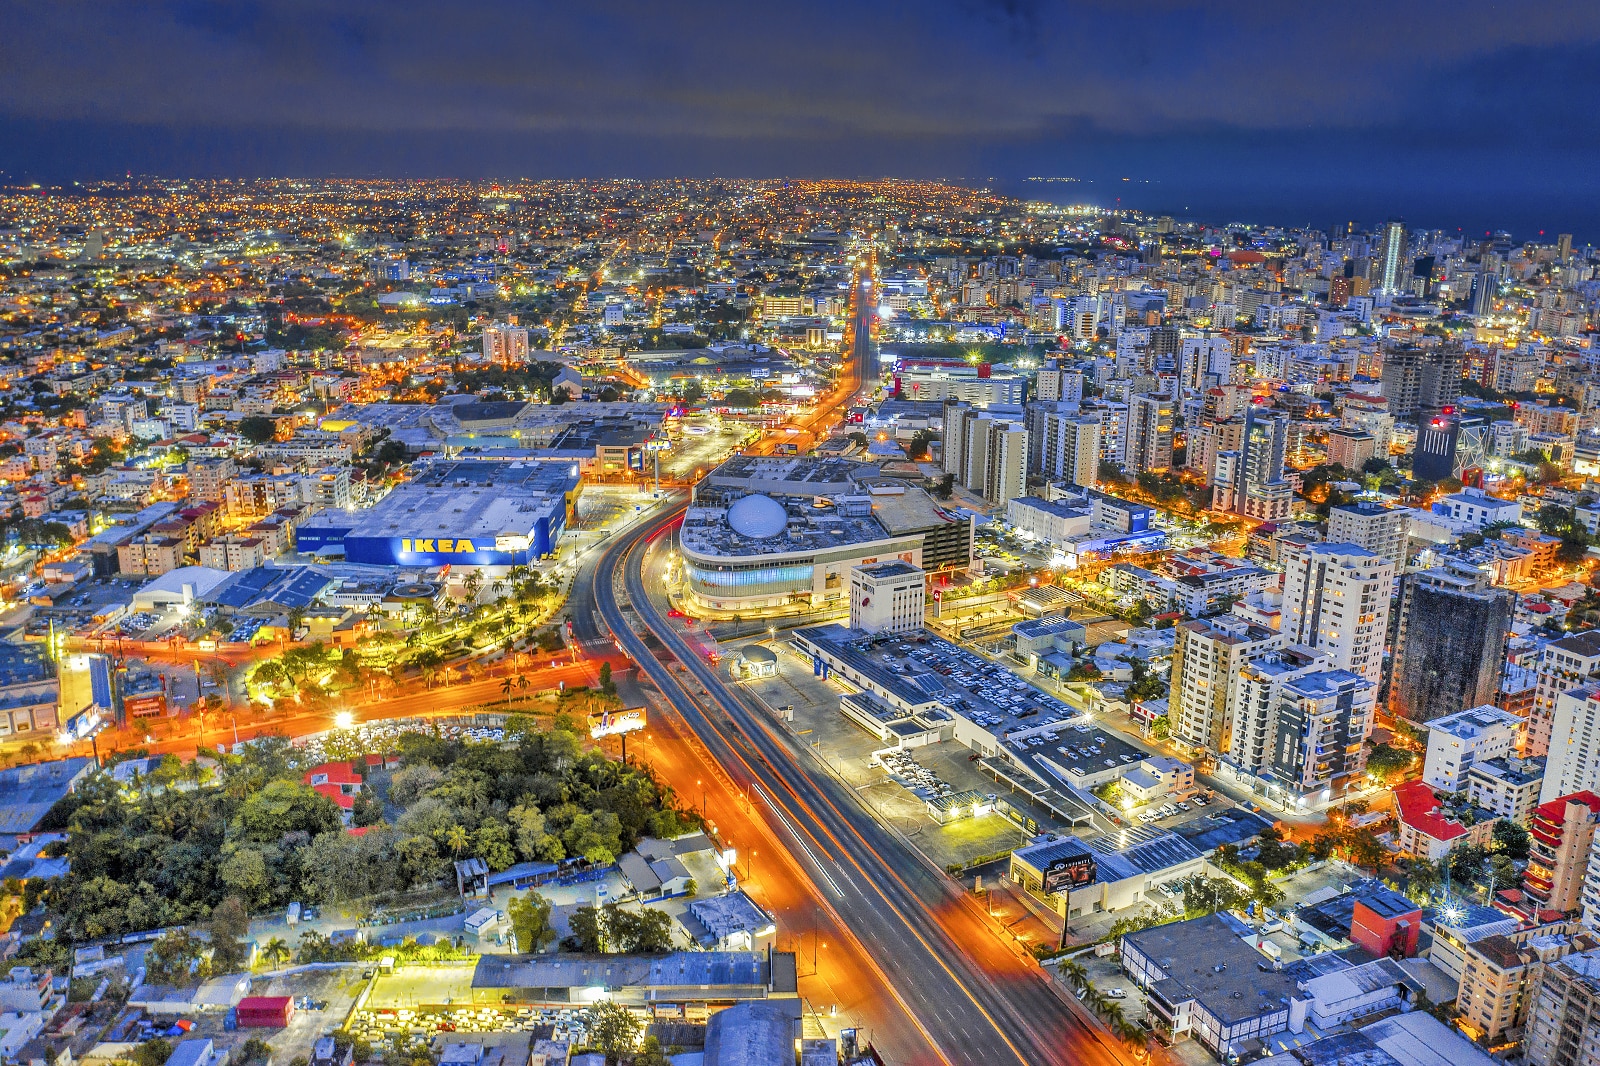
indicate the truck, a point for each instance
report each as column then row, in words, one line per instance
column 294, row 914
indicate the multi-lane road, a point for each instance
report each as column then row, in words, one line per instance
column 914, row 957
column 946, row 980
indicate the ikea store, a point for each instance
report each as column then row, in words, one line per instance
column 465, row 512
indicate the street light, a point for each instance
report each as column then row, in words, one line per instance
column 344, row 720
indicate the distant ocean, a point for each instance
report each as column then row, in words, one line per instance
column 1472, row 212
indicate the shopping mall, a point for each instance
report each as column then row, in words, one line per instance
column 764, row 535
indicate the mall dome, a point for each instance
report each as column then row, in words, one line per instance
column 757, row 517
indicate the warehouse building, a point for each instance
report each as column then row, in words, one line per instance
column 469, row 512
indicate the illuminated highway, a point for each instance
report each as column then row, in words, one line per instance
column 922, row 965
column 979, row 1001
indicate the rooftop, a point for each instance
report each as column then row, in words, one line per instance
column 1205, row 960
column 1474, row 721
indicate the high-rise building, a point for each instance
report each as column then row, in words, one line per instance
column 1485, row 288
column 1393, row 272
column 1323, row 722
column 1150, row 422
column 1063, row 444
column 1450, row 644
column 1379, row 529
column 1563, row 1027
column 1572, row 763
column 954, row 436
column 1336, row 600
column 1206, row 664
column 1563, row 665
column 1560, row 838
column 1563, row 247
column 1250, row 480
column 996, row 458
column 1254, row 703
column 505, row 343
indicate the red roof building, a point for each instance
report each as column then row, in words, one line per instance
column 264, row 1012
column 336, row 781
column 1562, row 834
column 1427, row 831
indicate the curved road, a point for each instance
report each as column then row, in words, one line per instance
column 966, row 992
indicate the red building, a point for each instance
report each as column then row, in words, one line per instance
column 1386, row 923
column 337, row 781
column 1561, row 835
column 264, row 1012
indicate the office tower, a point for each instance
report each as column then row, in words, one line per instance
column 1561, row 837
column 1336, row 600
column 1150, row 420
column 1206, row 663
column 1563, row 665
column 1485, row 287
column 1255, row 700
column 954, row 435
column 1392, row 273
column 1006, row 457
column 1458, row 742
column 1450, row 644
column 1573, row 761
column 1379, row 529
column 1563, row 1026
column 1323, row 721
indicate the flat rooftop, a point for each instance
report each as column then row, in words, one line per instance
column 1205, row 960
column 924, row 668
column 468, row 498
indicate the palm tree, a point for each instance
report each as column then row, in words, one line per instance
column 456, row 838
column 505, row 686
column 1073, row 971
column 1112, row 1013
column 276, row 951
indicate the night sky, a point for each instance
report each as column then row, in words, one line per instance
column 1450, row 112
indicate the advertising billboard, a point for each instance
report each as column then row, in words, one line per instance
column 612, row 723
column 1063, row 875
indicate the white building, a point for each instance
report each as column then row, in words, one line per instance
column 887, row 597
column 1573, row 761
column 1053, row 522
column 1458, row 741
column 1381, row 530
column 1477, row 508
column 1336, row 601
column 1563, row 664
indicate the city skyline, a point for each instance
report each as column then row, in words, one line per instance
column 1237, row 114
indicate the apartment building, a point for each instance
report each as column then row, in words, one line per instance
column 1561, row 836
column 1336, row 601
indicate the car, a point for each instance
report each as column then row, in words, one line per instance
column 1184, row 807
column 1115, row 993
column 974, row 757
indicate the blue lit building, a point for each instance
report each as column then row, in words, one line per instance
column 469, row 512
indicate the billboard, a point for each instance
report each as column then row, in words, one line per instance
column 1063, row 875
column 612, row 723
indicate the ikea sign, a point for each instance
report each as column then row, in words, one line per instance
column 437, row 546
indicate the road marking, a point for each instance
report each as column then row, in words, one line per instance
column 794, row 831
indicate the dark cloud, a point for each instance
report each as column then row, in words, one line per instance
column 1248, row 95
